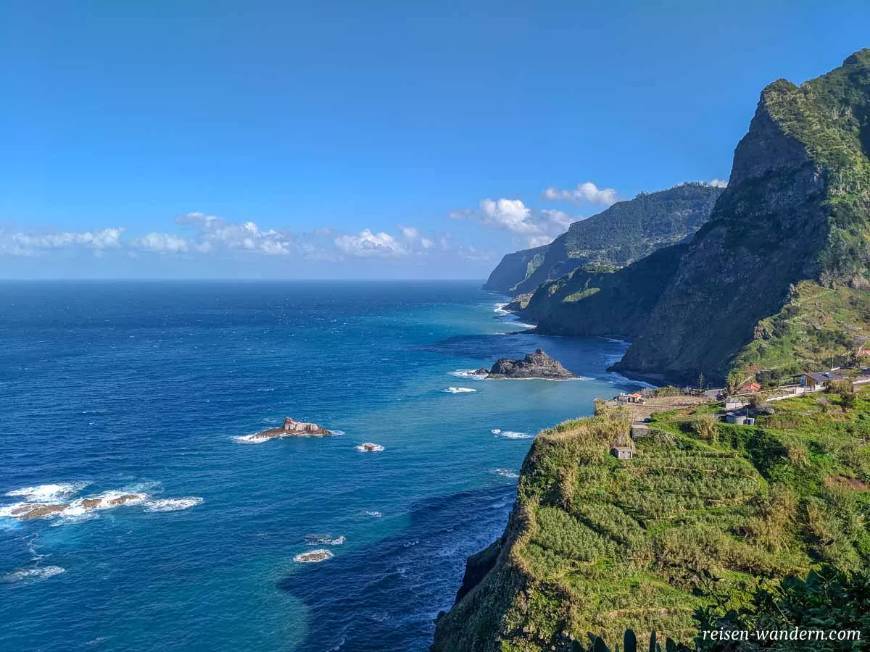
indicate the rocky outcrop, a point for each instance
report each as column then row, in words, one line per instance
column 533, row 365
column 291, row 428
column 618, row 236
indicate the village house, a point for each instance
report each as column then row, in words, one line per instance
column 815, row 381
column 636, row 397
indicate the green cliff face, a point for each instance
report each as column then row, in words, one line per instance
column 607, row 303
column 704, row 514
column 790, row 233
column 625, row 232
column 513, row 268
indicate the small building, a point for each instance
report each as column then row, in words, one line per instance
column 750, row 388
column 622, row 452
column 818, row 380
column 734, row 417
column 750, row 421
column 636, row 397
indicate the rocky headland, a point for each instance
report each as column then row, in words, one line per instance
column 533, row 365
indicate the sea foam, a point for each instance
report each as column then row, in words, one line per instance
column 510, row 434
column 37, row 573
column 324, row 540
column 172, row 504
column 459, row 390
column 48, row 493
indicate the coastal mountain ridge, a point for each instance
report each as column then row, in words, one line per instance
column 617, row 236
column 777, row 280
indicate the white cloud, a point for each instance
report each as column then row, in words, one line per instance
column 216, row 233
column 162, row 243
column 538, row 227
column 366, row 244
column 28, row 244
column 584, row 192
column 718, row 183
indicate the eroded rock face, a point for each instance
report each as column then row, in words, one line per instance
column 533, row 365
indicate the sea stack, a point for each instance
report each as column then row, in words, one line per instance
column 292, row 428
column 533, row 365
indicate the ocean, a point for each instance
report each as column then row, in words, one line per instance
column 123, row 403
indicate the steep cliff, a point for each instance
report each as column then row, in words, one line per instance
column 625, row 232
column 700, row 517
column 793, row 222
column 611, row 304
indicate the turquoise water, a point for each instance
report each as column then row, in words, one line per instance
column 142, row 388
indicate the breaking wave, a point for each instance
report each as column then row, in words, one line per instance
column 511, row 434
column 459, row 390
column 506, row 473
column 324, row 540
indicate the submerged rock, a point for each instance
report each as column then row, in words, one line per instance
column 313, row 557
column 28, row 511
column 533, row 365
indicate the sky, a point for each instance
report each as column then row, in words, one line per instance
column 212, row 139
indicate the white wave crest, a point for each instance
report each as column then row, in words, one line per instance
column 324, row 540
column 506, row 473
column 459, row 390
column 48, row 493
column 313, row 556
column 373, row 513
column 172, row 504
column 510, row 434
column 468, row 373
column 499, row 309
column 38, row 573
column 250, row 439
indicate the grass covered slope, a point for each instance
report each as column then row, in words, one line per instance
column 796, row 212
column 704, row 514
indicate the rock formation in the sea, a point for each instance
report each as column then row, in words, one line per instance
column 369, row 447
column 29, row 511
column 313, row 556
column 625, row 232
column 533, row 365
column 292, row 428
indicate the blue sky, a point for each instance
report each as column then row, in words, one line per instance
column 367, row 139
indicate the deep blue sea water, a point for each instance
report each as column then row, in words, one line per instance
column 142, row 387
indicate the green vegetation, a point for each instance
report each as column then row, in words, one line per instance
column 828, row 599
column 582, row 294
column 705, row 517
column 817, row 328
